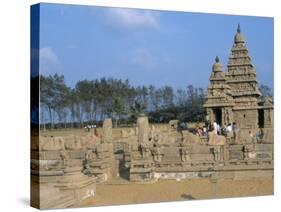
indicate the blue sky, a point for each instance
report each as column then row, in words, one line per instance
column 145, row 46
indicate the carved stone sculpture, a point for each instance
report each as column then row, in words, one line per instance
column 107, row 131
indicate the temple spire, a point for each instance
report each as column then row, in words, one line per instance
column 239, row 38
column 217, row 59
column 217, row 67
column 238, row 28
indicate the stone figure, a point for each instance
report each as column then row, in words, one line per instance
column 107, row 131
column 227, row 118
column 91, row 154
column 249, row 152
column 156, row 152
column 143, row 129
column 184, row 154
column 218, row 153
column 64, row 157
column 144, row 150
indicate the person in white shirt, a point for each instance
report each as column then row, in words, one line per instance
column 205, row 131
column 215, row 125
column 229, row 128
column 218, row 129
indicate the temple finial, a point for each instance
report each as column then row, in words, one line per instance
column 238, row 28
column 217, row 59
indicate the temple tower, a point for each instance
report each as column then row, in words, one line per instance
column 219, row 102
column 241, row 78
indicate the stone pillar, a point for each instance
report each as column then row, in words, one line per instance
column 223, row 116
column 143, row 129
column 227, row 115
column 230, row 115
column 107, row 131
column 108, row 145
column 209, row 116
column 268, row 118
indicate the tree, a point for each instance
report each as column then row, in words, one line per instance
column 72, row 102
column 155, row 97
column 137, row 109
column 181, row 97
column 195, row 101
column 91, row 100
column 53, row 95
column 167, row 96
column 85, row 95
column 62, row 101
column 265, row 91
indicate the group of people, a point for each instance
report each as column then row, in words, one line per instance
column 224, row 130
column 227, row 130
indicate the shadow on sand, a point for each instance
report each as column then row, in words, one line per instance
column 187, row 197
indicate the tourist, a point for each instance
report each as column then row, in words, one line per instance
column 234, row 130
column 182, row 126
column 228, row 131
column 215, row 127
column 87, row 128
column 205, row 132
column 223, row 130
column 218, row 129
column 197, row 130
column 210, row 127
column 200, row 131
column 229, row 128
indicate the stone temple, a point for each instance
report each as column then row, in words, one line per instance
column 65, row 170
column 234, row 96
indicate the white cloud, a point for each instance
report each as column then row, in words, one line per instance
column 132, row 18
column 48, row 60
column 143, row 57
column 148, row 59
column 47, row 53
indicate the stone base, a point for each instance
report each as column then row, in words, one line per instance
column 64, row 191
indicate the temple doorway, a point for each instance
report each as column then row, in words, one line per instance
column 261, row 118
column 218, row 115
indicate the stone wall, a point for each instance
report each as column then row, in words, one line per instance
column 65, row 170
column 247, row 119
column 181, row 155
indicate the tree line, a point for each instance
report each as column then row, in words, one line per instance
column 90, row 101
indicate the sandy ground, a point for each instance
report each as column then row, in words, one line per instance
column 171, row 190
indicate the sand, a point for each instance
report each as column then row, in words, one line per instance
column 171, row 190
